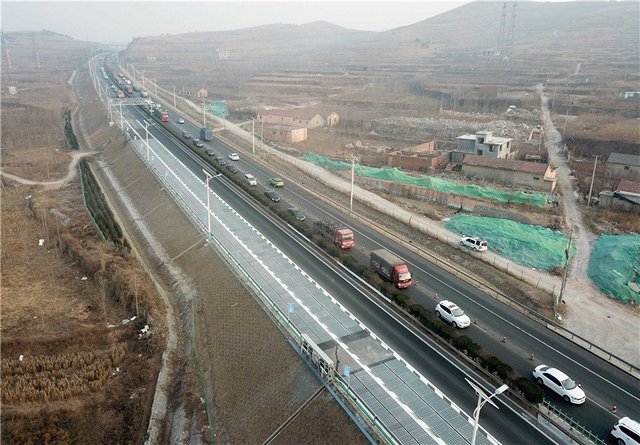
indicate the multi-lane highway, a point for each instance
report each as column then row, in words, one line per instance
column 604, row 384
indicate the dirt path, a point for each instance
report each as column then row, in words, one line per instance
column 611, row 324
column 71, row 172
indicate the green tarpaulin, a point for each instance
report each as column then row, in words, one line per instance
column 615, row 264
column 441, row 185
column 532, row 246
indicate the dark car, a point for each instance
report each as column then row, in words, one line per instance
column 186, row 135
column 297, row 213
column 272, row 196
column 220, row 161
column 209, row 151
column 198, row 143
column 232, row 168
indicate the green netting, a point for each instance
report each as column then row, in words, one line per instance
column 614, row 264
column 218, row 108
column 441, row 185
column 531, row 246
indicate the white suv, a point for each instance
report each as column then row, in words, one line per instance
column 627, row 432
column 234, row 157
column 473, row 243
column 250, row 179
column 452, row 314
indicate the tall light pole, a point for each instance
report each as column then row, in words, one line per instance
column 482, row 399
column 253, row 137
column 204, row 115
column 174, row 97
column 206, row 190
column 146, row 128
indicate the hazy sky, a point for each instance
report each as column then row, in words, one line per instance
column 119, row 21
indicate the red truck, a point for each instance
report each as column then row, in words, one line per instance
column 162, row 114
column 391, row 268
column 338, row 234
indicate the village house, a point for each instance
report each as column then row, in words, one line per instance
column 483, row 143
column 623, row 166
column 306, row 118
column 626, row 196
column 419, row 158
column 285, row 134
column 534, row 175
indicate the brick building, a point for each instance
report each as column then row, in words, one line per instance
column 534, row 175
column 483, row 143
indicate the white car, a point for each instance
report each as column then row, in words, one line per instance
column 452, row 314
column 474, row 243
column 181, row 121
column 560, row 383
column 234, row 156
column 627, row 431
column 250, row 179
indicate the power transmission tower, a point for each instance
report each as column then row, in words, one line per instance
column 511, row 31
column 503, row 20
column 5, row 43
column 34, row 41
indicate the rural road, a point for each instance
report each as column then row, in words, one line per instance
column 71, row 172
column 611, row 324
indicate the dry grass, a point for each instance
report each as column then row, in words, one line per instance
column 59, row 297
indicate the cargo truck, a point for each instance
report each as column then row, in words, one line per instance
column 206, row 134
column 391, row 268
column 337, row 233
column 162, row 114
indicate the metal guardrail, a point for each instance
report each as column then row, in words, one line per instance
column 578, row 432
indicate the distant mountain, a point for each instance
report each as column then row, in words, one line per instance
column 276, row 40
column 583, row 28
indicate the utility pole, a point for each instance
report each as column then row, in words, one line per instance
column 564, row 277
column 593, row 175
column 204, row 115
column 174, row 97
column 353, row 167
column 564, row 127
column 253, row 137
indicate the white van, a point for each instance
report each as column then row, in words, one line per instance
column 250, row 179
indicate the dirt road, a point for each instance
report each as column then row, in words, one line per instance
column 71, row 172
column 611, row 324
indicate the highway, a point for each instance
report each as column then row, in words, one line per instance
column 604, row 384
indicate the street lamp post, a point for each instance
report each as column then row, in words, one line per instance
column 482, row 399
column 146, row 128
column 206, row 189
column 253, row 137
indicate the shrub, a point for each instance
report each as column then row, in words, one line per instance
column 465, row 343
column 531, row 391
column 401, row 299
column 494, row 364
